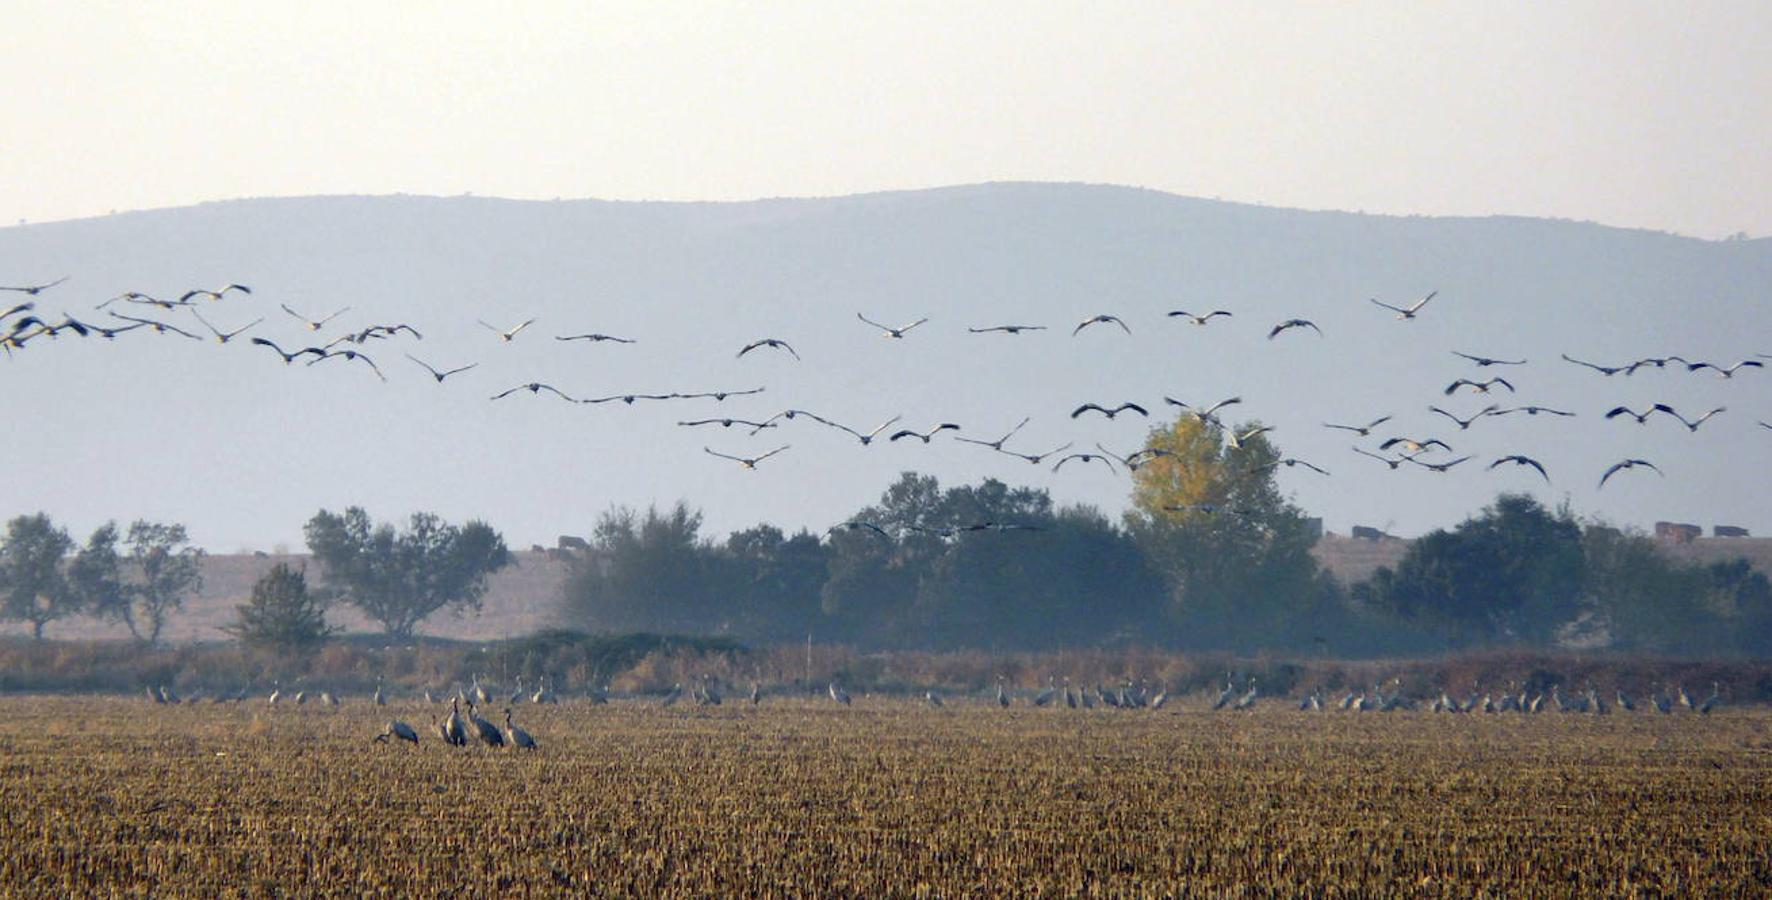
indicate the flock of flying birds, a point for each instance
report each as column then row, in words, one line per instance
column 22, row 327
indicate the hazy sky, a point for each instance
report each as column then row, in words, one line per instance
column 1656, row 115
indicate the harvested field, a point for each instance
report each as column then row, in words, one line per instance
column 885, row 798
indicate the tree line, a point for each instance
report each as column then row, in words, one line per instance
column 1210, row 556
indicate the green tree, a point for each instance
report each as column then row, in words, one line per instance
column 647, row 573
column 167, row 569
column 96, row 576
column 1650, row 602
column 398, row 578
column 1208, row 514
column 33, row 586
column 281, row 613
column 1514, row 573
column 871, row 581
column 773, row 582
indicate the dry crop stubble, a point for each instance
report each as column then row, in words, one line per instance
column 888, row 797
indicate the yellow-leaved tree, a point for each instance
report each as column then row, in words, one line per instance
column 1236, row 554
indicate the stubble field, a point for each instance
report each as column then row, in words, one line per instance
column 799, row 797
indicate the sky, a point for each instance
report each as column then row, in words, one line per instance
column 1650, row 115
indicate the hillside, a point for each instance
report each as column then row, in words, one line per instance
column 244, row 448
column 522, row 599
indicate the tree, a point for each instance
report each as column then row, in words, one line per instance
column 1652, row 603
column 1057, row 577
column 1236, row 554
column 398, row 578
column 167, row 569
column 773, row 580
column 33, row 587
column 647, row 573
column 871, row 581
column 1516, row 572
column 282, row 614
column 96, row 576
column 1072, row 578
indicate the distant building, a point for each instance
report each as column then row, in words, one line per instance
column 1729, row 531
column 1678, row 532
column 1365, row 533
column 1313, row 528
column 573, row 542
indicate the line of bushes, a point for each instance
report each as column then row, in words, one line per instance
column 575, row 663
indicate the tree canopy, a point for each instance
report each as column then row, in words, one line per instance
column 167, row 569
column 281, row 613
column 33, row 586
column 1235, row 553
column 399, row 577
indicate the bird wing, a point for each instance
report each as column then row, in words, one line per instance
column 770, row 453
column 1116, row 321
column 1085, row 408
column 1221, row 405
column 506, row 393
column 1504, row 383
column 1423, row 301
column 1128, row 406
column 1387, row 305
column 913, row 324
column 724, row 456
column 372, row 365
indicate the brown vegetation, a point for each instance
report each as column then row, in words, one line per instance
column 886, row 798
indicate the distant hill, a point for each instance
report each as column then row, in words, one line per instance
column 245, row 449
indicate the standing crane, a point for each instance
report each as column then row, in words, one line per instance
column 519, row 738
column 400, row 730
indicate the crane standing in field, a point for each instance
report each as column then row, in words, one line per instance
column 400, row 730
